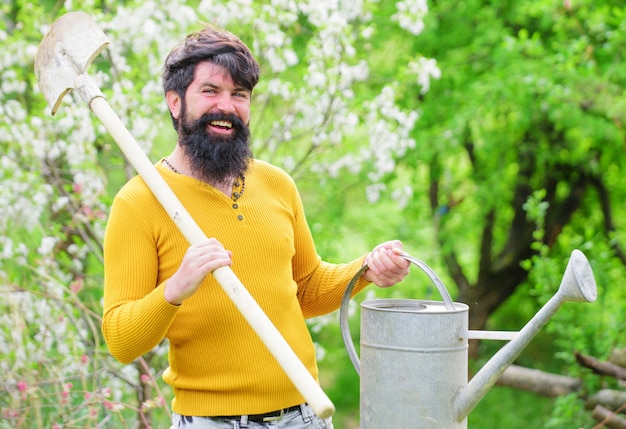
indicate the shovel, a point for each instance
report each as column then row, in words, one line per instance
column 61, row 63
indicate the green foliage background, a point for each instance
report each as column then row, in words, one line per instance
column 397, row 119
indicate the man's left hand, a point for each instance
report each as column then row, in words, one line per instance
column 386, row 266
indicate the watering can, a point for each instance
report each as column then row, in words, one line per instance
column 414, row 353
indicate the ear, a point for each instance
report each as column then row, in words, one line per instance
column 174, row 102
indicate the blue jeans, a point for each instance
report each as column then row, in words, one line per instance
column 304, row 418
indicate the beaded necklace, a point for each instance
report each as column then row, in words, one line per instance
column 241, row 181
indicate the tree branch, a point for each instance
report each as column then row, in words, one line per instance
column 601, row 368
column 607, row 418
column 539, row 382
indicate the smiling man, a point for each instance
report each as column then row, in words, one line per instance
column 157, row 286
column 213, row 131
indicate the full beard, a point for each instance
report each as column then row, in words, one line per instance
column 216, row 159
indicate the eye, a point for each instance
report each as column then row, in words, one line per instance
column 241, row 94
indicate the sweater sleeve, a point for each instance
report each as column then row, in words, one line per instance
column 136, row 314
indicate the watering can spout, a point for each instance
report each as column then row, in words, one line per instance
column 578, row 285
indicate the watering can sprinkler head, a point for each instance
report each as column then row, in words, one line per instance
column 578, row 283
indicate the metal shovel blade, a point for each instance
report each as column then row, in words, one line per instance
column 72, row 43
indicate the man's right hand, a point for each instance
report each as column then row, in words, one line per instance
column 199, row 261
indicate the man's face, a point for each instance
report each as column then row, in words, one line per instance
column 212, row 124
column 211, row 91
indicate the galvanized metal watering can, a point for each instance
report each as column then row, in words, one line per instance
column 414, row 353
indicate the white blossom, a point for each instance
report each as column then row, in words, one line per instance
column 410, row 15
column 402, row 195
column 6, row 244
column 425, row 69
column 374, row 191
column 47, row 245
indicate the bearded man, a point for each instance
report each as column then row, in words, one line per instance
column 157, row 286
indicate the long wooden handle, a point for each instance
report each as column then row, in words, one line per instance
column 245, row 303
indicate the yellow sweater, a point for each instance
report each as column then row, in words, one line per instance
column 218, row 365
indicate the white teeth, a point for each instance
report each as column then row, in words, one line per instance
column 225, row 124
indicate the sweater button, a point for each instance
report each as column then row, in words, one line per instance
column 240, row 217
column 235, row 206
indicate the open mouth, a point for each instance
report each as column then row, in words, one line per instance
column 224, row 125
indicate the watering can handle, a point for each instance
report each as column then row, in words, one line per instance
column 345, row 303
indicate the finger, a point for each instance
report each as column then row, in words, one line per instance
column 391, row 262
column 393, row 269
column 214, row 258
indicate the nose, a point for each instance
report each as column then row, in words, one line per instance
column 225, row 104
